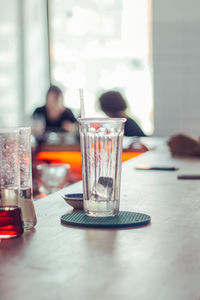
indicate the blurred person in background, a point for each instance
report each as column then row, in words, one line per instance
column 185, row 145
column 113, row 105
column 54, row 115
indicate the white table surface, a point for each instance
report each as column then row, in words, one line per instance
column 159, row 261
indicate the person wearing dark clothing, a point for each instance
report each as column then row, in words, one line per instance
column 113, row 105
column 55, row 124
column 54, row 114
column 131, row 128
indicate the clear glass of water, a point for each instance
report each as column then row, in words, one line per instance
column 101, row 150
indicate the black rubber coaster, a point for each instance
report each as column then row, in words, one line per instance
column 123, row 219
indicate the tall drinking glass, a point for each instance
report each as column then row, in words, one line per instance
column 101, row 150
column 25, row 193
column 10, row 214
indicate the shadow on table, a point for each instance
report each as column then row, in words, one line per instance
column 15, row 247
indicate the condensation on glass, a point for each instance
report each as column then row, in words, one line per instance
column 9, row 166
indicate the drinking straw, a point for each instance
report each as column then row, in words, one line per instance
column 82, row 103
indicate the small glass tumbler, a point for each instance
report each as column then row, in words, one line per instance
column 52, row 177
column 9, row 166
column 101, row 150
column 26, row 191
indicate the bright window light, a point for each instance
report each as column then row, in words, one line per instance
column 103, row 45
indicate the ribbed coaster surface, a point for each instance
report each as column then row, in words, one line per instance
column 123, row 219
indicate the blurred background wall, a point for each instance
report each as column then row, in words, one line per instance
column 176, row 64
column 147, row 49
column 24, row 62
column 10, row 64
